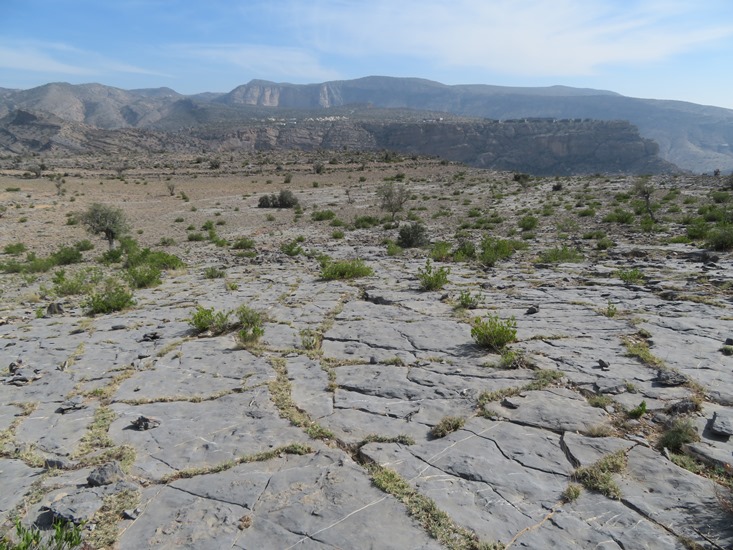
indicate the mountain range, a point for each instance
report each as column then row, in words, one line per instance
column 693, row 137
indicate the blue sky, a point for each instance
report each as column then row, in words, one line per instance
column 663, row 49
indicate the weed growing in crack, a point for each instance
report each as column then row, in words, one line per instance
column 571, row 492
column 681, row 432
column 493, row 332
column 466, row 300
column 435, row 521
column 432, row 279
column 597, row 477
column 447, row 425
column 345, row 269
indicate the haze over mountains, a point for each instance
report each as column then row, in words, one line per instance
column 693, row 137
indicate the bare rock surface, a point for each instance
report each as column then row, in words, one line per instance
column 367, row 415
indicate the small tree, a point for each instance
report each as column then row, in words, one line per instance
column 393, row 197
column 101, row 218
column 644, row 189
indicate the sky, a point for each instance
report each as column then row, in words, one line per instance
column 662, row 49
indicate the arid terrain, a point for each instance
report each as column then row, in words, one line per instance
column 550, row 367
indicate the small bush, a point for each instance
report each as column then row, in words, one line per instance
column 393, row 249
column 493, row 332
column 447, row 425
column 440, row 251
column 323, row 215
column 413, row 236
column 143, row 276
column 637, row 412
column 721, row 239
column 84, row 245
column 66, row 256
column 562, row 254
column 681, row 432
column 597, row 476
column 528, row 223
column 250, row 325
column 80, row 283
column 630, row 276
column 493, row 249
column 203, row 319
column 365, row 222
column 345, row 269
column 466, row 300
column 571, row 492
column 113, row 296
column 621, row 216
column 337, row 234
column 243, row 243
column 14, row 249
column 465, row 250
column 196, row 237
column 292, row 248
column 432, row 279
column 212, row 272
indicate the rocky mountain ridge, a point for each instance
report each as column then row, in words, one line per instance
column 539, row 146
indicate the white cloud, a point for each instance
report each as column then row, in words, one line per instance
column 63, row 59
column 260, row 61
column 28, row 59
column 533, row 37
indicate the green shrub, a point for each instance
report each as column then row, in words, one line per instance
column 250, row 325
column 337, row 234
column 493, row 249
column 212, row 272
column 597, row 476
column 365, row 222
column 637, row 412
column 84, row 245
column 65, row 536
column 66, row 256
column 243, row 243
column 697, row 229
column 203, row 319
column 292, row 248
column 465, row 250
column 721, row 239
column 440, row 251
column 14, row 249
column 619, row 215
column 432, row 279
column 79, row 283
column 393, row 249
column 493, row 332
column 466, row 300
column 345, row 269
column 630, row 276
column 527, row 223
column 113, row 296
column 413, row 235
column 447, row 425
column 143, row 276
column 196, row 237
column 286, row 199
column 323, row 215
column 681, row 432
column 562, row 254
column 154, row 258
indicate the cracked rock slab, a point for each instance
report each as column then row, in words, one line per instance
column 318, row 501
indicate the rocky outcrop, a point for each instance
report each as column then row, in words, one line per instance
column 555, row 147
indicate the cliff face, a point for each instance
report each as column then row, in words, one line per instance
column 536, row 146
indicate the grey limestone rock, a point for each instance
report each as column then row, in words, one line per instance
column 106, row 474
column 722, row 424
